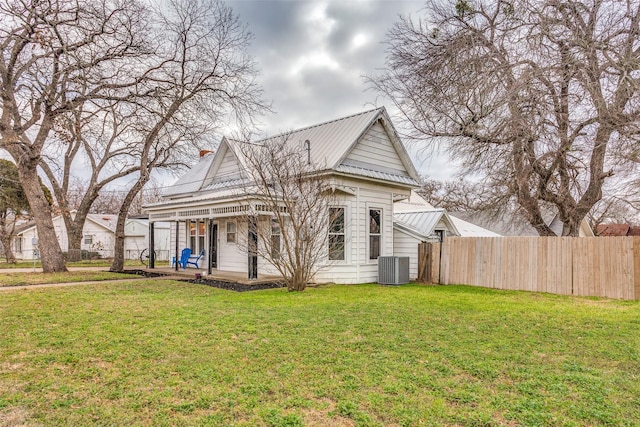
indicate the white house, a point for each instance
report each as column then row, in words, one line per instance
column 98, row 237
column 364, row 160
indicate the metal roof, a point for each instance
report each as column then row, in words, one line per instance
column 424, row 221
column 192, row 180
column 385, row 176
column 330, row 142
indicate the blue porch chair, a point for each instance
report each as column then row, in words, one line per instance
column 193, row 260
column 184, row 258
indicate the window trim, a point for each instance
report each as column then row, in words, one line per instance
column 343, row 233
column 378, row 234
column 276, row 251
column 231, row 233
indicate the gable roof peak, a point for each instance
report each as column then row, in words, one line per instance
column 328, row 122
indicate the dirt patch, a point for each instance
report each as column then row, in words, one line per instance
column 237, row 287
column 15, row 417
column 221, row 284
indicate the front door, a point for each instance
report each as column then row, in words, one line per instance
column 213, row 246
column 253, row 248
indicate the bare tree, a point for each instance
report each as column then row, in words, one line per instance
column 13, row 204
column 293, row 212
column 56, row 56
column 538, row 99
column 100, row 138
column 454, row 195
column 207, row 76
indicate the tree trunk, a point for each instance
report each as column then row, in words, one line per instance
column 5, row 239
column 74, row 234
column 118, row 253
column 50, row 252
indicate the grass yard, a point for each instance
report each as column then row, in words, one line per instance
column 20, row 279
column 169, row 353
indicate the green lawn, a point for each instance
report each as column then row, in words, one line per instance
column 19, row 279
column 169, row 353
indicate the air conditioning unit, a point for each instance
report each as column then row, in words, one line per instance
column 393, row 270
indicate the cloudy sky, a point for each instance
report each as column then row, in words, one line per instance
column 313, row 56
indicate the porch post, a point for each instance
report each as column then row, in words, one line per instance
column 177, row 256
column 152, row 249
column 211, row 245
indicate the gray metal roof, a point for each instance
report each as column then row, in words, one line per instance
column 330, row 143
column 425, row 221
column 331, row 140
column 192, row 180
column 385, row 176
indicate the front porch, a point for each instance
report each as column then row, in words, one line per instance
column 217, row 275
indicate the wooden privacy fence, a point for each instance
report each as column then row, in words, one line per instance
column 586, row 266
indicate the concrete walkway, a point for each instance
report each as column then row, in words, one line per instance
column 39, row 269
column 61, row 285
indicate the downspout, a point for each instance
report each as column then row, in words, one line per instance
column 177, row 257
column 358, row 261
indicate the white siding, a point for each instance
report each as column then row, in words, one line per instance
column 231, row 256
column 375, row 148
column 407, row 245
column 228, row 167
column 358, row 268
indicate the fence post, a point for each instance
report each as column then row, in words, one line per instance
column 434, row 275
column 423, row 255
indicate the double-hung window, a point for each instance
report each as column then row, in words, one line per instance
column 336, row 234
column 231, row 231
column 275, row 238
column 375, row 233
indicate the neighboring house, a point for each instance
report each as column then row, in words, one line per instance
column 361, row 156
column 607, row 230
column 514, row 225
column 98, row 237
column 136, row 231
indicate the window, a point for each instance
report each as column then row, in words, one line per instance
column 18, row 244
column 231, row 232
column 88, row 239
column 375, row 233
column 192, row 236
column 275, row 238
column 336, row 234
column 200, row 236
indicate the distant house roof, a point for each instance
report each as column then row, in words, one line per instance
column 330, row 144
column 615, row 230
column 108, row 221
column 513, row 224
column 468, row 229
